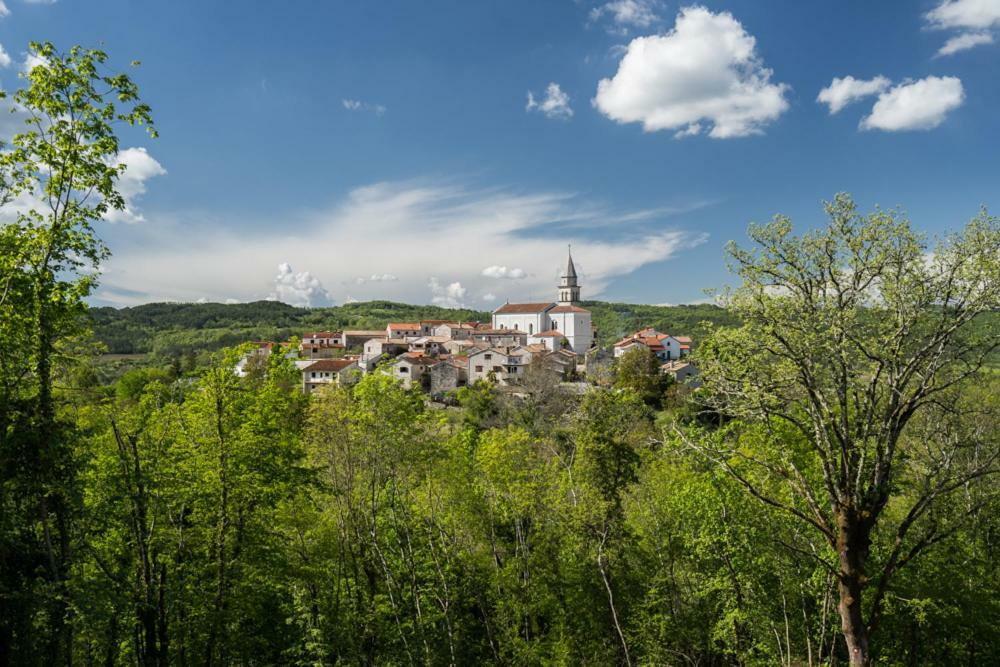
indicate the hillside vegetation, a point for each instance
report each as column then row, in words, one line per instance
column 174, row 329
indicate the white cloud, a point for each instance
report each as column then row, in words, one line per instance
column 555, row 103
column 489, row 297
column 915, row 105
column 3, row 9
column 449, row 296
column 973, row 18
column 358, row 105
column 231, row 301
column 376, row 278
column 964, row 42
column 627, row 13
column 844, row 91
column 495, row 271
column 140, row 166
column 5, row 60
column 492, row 226
column 703, row 74
column 31, row 61
column 964, row 14
column 298, row 289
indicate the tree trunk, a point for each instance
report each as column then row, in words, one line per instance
column 853, row 544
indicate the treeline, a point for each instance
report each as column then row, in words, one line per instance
column 168, row 330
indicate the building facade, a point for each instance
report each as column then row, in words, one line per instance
column 563, row 324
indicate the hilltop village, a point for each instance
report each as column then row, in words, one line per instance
column 557, row 338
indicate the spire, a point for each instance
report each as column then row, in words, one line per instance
column 570, row 269
column 569, row 290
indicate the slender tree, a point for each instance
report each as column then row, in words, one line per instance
column 843, row 383
column 64, row 166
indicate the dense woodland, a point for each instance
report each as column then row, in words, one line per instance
column 167, row 330
column 827, row 495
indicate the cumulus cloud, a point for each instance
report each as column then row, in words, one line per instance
column 554, row 104
column 449, row 296
column 358, row 105
column 964, row 14
column 140, row 166
column 964, row 42
column 489, row 297
column 844, row 91
column 5, row 60
column 376, row 278
column 915, row 105
column 704, row 75
column 972, row 19
column 3, row 9
column 31, row 61
column 298, row 289
column 627, row 13
column 492, row 226
column 495, row 271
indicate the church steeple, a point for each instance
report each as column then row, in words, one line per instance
column 569, row 290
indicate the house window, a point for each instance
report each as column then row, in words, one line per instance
column 314, row 374
column 479, row 369
column 404, row 369
column 487, row 357
column 531, row 328
column 497, row 369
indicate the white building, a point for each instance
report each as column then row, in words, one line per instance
column 664, row 346
column 499, row 364
column 329, row 372
column 556, row 325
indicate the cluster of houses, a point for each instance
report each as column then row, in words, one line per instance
column 671, row 350
column 556, row 338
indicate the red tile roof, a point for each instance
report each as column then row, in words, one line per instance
column 569, row 309
column 334, row 365
column 523, row 308
column 403, row 325
column 550, row 333
column 322, row 334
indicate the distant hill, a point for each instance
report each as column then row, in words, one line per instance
column 172, row 329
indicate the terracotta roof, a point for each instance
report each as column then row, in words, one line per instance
column 329, row 365
column 523, row 308
column 322, row 334
column 682, row 339
column 569, row 309
column 403, row 325
column 364, row 332
column 550, row 333
column 499, row 332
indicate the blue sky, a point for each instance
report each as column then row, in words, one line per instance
column 318, row 152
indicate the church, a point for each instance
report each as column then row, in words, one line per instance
column 560, row 324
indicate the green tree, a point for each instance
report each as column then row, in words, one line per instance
column 639, row 370
column 64, row 164
column 844, row 380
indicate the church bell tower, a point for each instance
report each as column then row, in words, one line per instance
column 569, row 290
